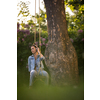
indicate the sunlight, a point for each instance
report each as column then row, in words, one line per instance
column 32, row 8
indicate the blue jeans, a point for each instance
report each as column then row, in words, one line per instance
column 34, row 73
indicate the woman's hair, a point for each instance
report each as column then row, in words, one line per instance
column 34, row 45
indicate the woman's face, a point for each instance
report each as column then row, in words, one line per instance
column 33, row 49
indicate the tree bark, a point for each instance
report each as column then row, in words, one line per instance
column 60, row 55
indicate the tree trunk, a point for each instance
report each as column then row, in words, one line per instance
column 60, row 55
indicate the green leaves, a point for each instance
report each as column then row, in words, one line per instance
column 71, row 7
column 24, row 10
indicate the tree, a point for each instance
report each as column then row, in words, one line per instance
column 23, row 12
column 75, row 3
column 61, row 57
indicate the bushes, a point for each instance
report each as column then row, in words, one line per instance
column 78, row 43
column 25, row 39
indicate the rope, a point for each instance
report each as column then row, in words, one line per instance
column 39, row 34
column 40, row 38
column 35, row 24
column 39, row 29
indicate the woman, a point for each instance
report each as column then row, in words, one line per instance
column 34, row 64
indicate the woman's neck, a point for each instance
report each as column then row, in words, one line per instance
column 35, row 54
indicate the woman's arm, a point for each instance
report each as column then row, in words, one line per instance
column 41, row 56
column 29, row 64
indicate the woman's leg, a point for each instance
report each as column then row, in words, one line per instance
column 44, row 73
column 33, row 73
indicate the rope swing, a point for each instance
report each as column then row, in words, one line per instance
column 39, row 27
column 35, row 24
column 39, row 34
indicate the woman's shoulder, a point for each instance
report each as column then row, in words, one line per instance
column 31, row 56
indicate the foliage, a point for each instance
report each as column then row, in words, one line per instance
column 24, row 10
column 75, row 3
column 76, row 32
column 25, row 39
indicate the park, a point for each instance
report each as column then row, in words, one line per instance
column 60, row 38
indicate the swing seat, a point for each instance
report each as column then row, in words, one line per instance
column 39, row 79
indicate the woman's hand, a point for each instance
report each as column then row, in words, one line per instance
column 39, row 52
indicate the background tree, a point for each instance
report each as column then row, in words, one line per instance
column 61, row 57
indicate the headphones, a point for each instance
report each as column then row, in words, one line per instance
column 36, row 50
column 35, row 47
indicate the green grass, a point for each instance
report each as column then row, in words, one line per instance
column 40, row 91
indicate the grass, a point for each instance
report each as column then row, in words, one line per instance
column 50, row 93
column 40, row 91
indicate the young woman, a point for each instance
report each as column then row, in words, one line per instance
column 34, row 64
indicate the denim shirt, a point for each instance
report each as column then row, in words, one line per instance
column 32, row 62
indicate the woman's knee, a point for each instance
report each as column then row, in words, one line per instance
column 45, row 73
column 33, row 72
